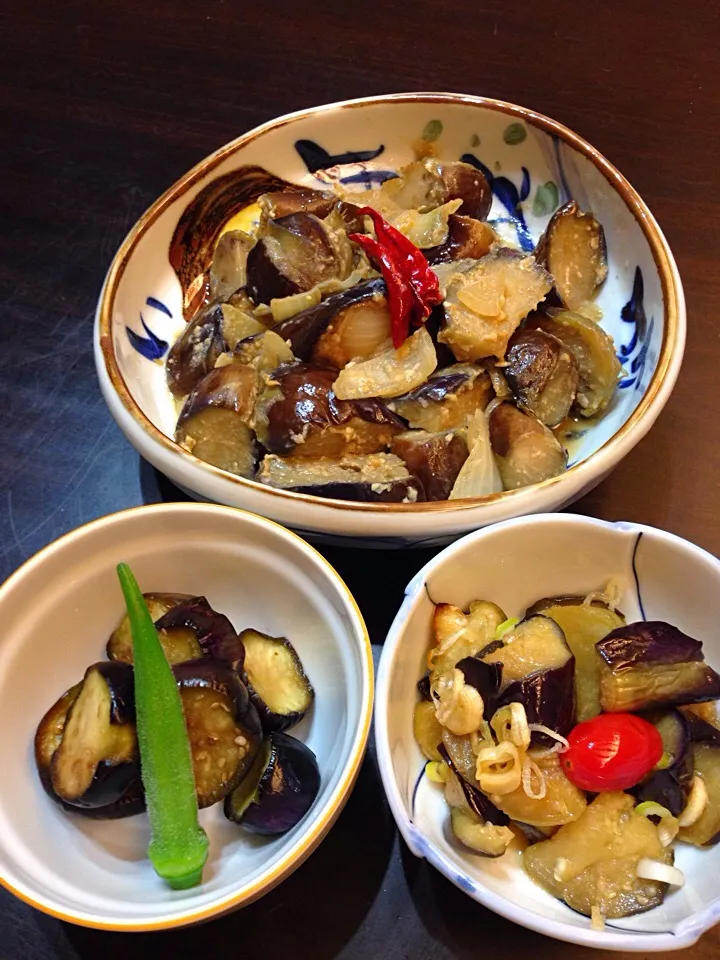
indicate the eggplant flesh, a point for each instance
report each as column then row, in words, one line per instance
column 486, row 678
column 228, row 271
column 275, row 679
column 194, row 353
column 476, row 800
column 119, row 646
column 286, row 789
column 223, row 726
column 376, row 478
column 705, row 832
column 213, row 633
column 548, row 698
column 447, row 400
column 525, row 450
column 670, row 786
column 434, row 459
column 574, row 251
column 535, row 645
column 650, row 665
column 542, row 374
column 467, row 239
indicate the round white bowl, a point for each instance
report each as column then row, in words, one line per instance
column 534, row 163
column 514, row 564
column 57, row 612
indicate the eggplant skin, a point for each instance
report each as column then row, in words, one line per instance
column 213, row 631
column 670, row 787
column 275, row 680
column 434, row 459
column 648, row 643
column 467, row 239
column 476, row 799
column 548, row 698
column 194, row 353
column 486, row 678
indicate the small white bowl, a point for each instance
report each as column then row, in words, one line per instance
column 57, row 612
column 535, row 164
column 514, row 564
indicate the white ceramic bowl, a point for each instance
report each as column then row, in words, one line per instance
column 514, row 564
column 57, row 612
column 534, row 164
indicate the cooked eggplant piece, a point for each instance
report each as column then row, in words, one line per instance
column 212, row 632
column 485, row 304
column 275, row 679
column 298, row 200
column 119, row 646
column 542, row 374
column 467, row 239
column 194, row 353
column 705, row 831
column 464, row 182
column 481, row 837
column 223, row 726
column 228, row 272
column 486, row 678
column 583, row 624
column 390, row 373
column 85, row 746
column 238, row 324
column 459, row 635
column 214, row 422
column 592, row 862
column 446, row 400
column 279, row 797
column 427, row 729
column 652, row 664
column 562, row 802
column 264, row 352
column 670, row 786
column 298, row 412
column 548, row 697
column 423, row 686
column 464, row 771
column 525, row 450
column 598, row 366
column 434, row 459
column 375, row 478
column 295, row 253
column 574, row 251
column 699, row 729
column 534, row 645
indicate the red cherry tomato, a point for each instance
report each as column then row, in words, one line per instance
column 613, row 751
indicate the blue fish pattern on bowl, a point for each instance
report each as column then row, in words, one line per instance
column 633, row 354
column 151, row 346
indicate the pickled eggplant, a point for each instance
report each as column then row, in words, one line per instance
column 281, row 788
column 281, row 203
column 542, row 374
column 298, row 412
column 486, row 678
column 705, row 831
column 465, row 182
column 593, row 861
column 228, row 271
column 476, row 800
column 532, row 646
column 214, row 422
column 459, row 635
column 194, row 353
column 481, row 837
column 223, row 726
column 561, row 803
column 467, row 239
column 573, row 249
column 447, row 399
column 670, row 785
column 525, row 450
column 434, row 459
column 374, row 478
column 427, row 730
column 548, row 697
column 652, row 664
column 275, row 679
column 119, row 646
column 485, row 303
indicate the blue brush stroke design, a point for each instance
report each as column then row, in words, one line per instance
column 370, row 178
column 634, row 352
column 464, row 882
column 637, row 578
column 158, row 305
column 150, row 347
column 414, row 793
column 316, row 158
column 562, row 179
column 510, row 197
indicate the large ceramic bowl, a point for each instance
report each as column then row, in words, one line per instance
column 514, row 564
column 57, row 611
column 534, row 164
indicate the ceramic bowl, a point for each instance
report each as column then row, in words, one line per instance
column 57, row 612
column 513, row 564
column 534, row 164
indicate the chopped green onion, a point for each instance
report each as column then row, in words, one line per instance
column 178, row 845
column 651, row 809
column 436, row 771
column 505, row 627
column 664, row 762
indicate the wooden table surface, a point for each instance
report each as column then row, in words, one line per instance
column 102, row 106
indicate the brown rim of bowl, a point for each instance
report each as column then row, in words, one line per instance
column 660, row 251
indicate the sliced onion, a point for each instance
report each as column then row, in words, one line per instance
column 541, row 728
column 510, row 723
column 390, row 373
column 667, row 831
column 648, row 869
column 697, row 801
column 479, row 475
column 498, row 769
column 530, row 770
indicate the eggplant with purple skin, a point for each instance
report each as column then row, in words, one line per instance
column 279, row 790
column 525, row 450
column 86, row 746
column 534, row 645
column 374, row 478
column 194, row 353
column 298, row 413
column 486, row 678
column 214, row 422
column 223, row 726
column 670, row 784
column 281, row 203
column 447, row 399
column 650, row 665
column 228, row 271
column 434, row 459
column 548, row 698
column 119, row 646
column 573, row 249
column 275, row 679
column 705, row 831
column 467, row 239
column 542, row 374
column 475, row 798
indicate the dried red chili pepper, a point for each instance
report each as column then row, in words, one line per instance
column 413, row 288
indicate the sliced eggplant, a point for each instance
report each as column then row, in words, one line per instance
column 282, row 203
column 534, row 645
column 486, row 678
column 86, row 746
column 598, row 366
column 194, row 353
column 427, row 729
column 561, row 803
column 574, row 251
column 670, row 785
column 280, row 790
column 119, row 646
column 228, row 271
column 276, row 680
column 481, row 837
column 390, row 373
column 375, row 478
column 223, row 726
column 650, row 665
column 213, row 633
column 465, row 182
column 467, row 239
column 542, row 374
column 459, row 635
column 525, row 450
column 485, row 304
column 705, row 831
column 549, row 699
column 446, row 400
column 238, row 324
column 464, row 771
column 303, row 330
column 434, row 459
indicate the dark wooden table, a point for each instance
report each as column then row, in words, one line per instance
column 102, row 106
